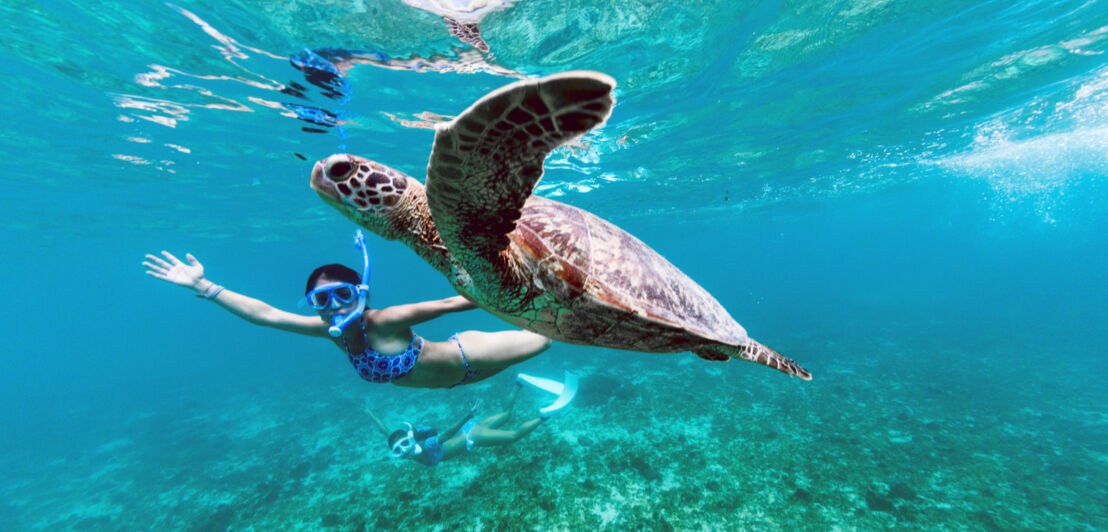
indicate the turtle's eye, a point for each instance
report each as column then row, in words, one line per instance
column 339, row 170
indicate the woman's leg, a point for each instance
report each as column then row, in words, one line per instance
column 498, row 350
column 483, row 436
column 486, row 354
column 496, row 420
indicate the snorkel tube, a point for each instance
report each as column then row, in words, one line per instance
column 340, row 322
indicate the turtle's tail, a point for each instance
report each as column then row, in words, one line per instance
column 754, row 351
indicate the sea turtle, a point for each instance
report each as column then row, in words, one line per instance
column 462, row 16
column 539, row 264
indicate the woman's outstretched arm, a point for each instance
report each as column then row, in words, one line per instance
column 414, row 313
column 377, row 423
column 256, row 311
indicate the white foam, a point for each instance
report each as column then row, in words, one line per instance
column 1039, row 150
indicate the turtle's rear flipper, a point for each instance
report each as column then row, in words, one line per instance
column 754, row 352
column 467, row 33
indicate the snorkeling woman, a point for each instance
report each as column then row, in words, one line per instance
column 379, row 343
column 429, row 446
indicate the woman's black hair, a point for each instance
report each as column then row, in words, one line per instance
column 337, row 272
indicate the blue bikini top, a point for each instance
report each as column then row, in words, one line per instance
column 375, row 367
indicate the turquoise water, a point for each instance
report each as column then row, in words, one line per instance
column 908, row 198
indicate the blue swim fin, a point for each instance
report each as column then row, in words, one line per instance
column 565, row 390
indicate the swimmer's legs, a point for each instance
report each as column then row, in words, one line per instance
column 496, row 420
column 491, row 353
column 501, row 349
column 490, row 437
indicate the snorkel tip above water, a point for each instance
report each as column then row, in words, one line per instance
column 339, row 323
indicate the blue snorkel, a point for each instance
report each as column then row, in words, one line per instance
column 339, row 323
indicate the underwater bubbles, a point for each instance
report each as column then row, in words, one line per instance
column 1047, row 154
column 1039, row 171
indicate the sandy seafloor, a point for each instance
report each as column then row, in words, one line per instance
column 639, row 449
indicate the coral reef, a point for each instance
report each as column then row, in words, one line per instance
column 652, row 443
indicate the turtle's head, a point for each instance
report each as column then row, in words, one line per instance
column 362, row 190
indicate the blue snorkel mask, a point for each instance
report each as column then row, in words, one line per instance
column 324, row 296
column 406, row 446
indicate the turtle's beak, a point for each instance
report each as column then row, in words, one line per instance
column 321, row 183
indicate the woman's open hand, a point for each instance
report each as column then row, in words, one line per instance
column 171, row 269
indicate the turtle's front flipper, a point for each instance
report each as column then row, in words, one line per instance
column 486, row 161
column 754, row 352
column 467, row 33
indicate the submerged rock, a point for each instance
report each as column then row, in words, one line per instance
column 878, row 503
column 649, row 473
column 802, row 495
column 902, row 491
